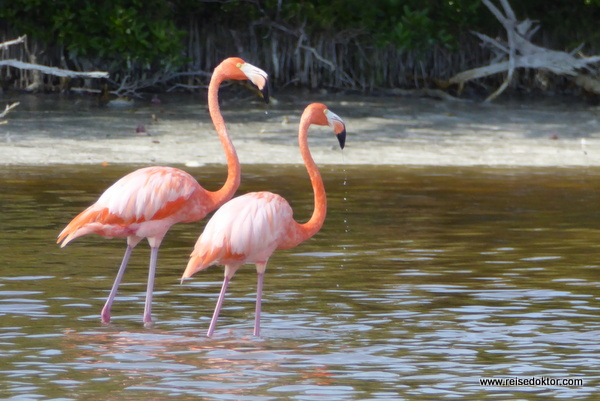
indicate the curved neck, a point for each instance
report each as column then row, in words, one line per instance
column 233, row 164
column 312, row 226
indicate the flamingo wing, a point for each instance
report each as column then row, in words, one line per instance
column 148, row 193
column 247, row 229
column 145, row 195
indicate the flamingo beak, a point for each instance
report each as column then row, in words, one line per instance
column 258, row 77
column 339, row 128
column 341, row 138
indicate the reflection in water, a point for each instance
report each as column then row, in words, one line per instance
column 422, row 281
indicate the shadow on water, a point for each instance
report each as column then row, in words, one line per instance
column 421, row 282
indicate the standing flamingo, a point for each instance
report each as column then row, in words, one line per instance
column 249, row 228
column 148, row 201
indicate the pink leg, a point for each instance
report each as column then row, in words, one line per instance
column 213, row 321
column 105, row 314
column 150, row 287
column 259, row 288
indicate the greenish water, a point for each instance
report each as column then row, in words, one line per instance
column 421, row 282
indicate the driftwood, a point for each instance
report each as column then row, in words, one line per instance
column 59, row 72
column 519, row 52
column 16, row 41
column 37, row 68
column 7, row 110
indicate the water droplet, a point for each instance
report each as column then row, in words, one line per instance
column 345, row 199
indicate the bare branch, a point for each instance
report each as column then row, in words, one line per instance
column 519, row 52
column 479, row 72
column 8, row 108
column 486, row 39
column 16, row 41
column 510, row 14
column 318, row 56
column 53, row 70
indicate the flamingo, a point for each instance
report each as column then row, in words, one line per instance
column 249, row 228
column 147, row 202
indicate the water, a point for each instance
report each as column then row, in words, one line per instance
column 422, row 281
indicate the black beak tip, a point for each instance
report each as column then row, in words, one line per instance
column 342, row 138
column 265, row 93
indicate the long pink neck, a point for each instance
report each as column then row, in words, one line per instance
column 233, row 164
column 312, row 226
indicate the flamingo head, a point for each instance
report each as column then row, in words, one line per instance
column 237, row 69
column 321, row 115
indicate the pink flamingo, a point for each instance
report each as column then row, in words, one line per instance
column 249, row 228
column 148, row 201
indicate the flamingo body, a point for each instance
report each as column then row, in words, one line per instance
column 249, row 228
column 144, row 204
column 148, row 201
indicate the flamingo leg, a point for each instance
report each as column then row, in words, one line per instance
column 259, row 287
column 213, row 321
column 150, row 287
column 105, row 314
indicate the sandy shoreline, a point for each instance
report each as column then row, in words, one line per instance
column 395, row 131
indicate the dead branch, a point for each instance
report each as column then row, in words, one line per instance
column 37, row 68
column 519, row 52
column 7, row 110
column 53, row 70
column 16, row 41
column 129, row 87
column 318, row 56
